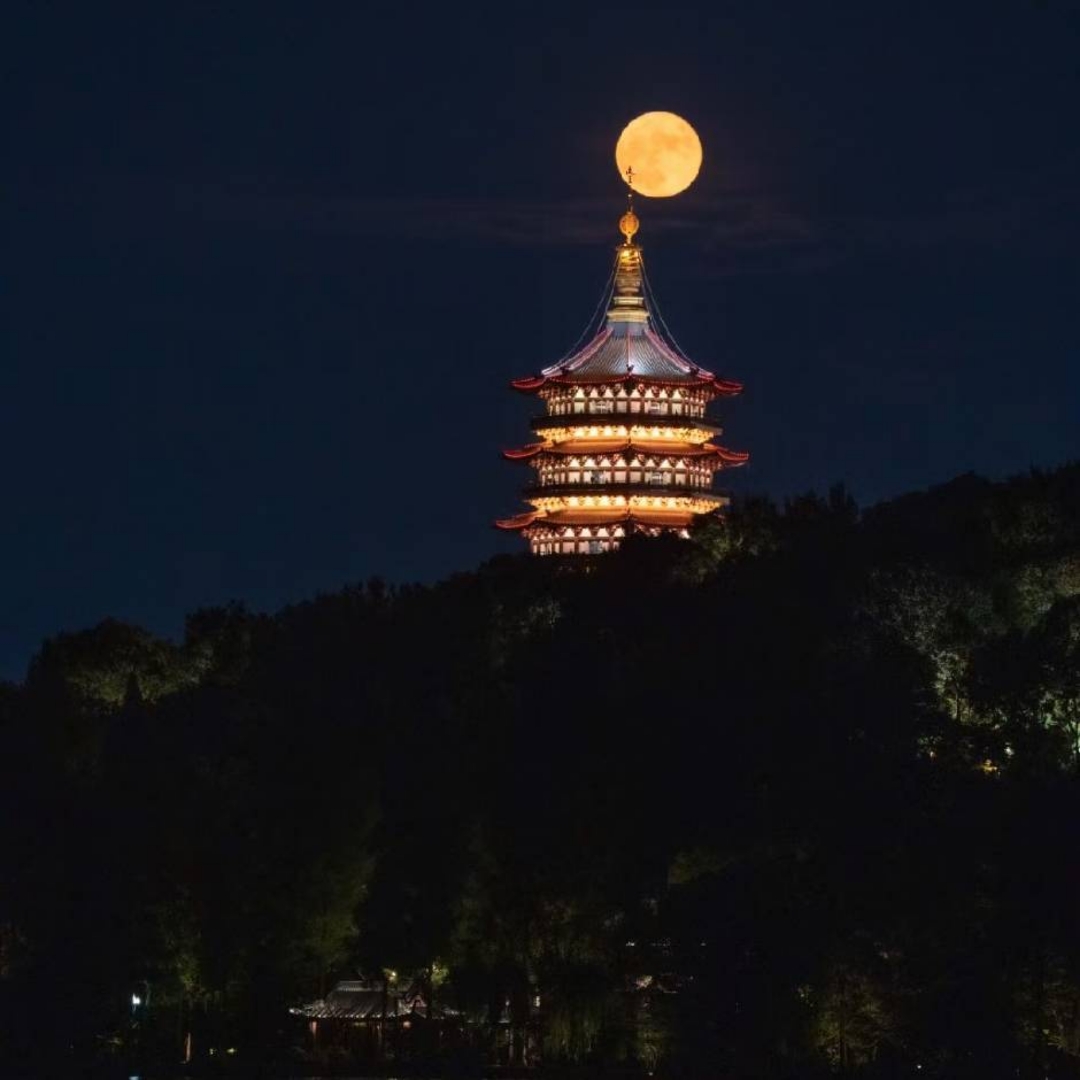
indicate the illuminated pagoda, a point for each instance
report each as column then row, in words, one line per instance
column 624, row 446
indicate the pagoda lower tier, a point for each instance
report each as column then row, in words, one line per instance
column 589, row 493
column 592, row 530
column 596, row 483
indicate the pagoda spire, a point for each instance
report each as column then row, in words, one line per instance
column 628, row 223
column 628, row 298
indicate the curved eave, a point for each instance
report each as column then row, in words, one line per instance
column 539, row 451
column 525, row 452
column 731, row 458
column 518, row 521
column 672, row 519
column 530, row 384
column 721, row 387
column 727, row 387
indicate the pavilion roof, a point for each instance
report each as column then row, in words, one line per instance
column 602, row 516
column 630, row 352
column 569, row 449
column 361, row 1000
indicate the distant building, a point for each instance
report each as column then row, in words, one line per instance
column 625, row 446
column 370, row 1020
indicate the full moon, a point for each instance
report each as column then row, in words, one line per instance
column 663, row 151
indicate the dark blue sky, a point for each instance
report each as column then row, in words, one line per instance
column 270, row 268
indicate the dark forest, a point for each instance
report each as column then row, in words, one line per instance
column 798, row 795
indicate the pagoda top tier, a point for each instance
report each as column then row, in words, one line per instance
column 628, row 347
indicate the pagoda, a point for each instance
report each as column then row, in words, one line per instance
column 624, row 445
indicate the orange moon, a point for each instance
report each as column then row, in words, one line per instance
column 664, row 152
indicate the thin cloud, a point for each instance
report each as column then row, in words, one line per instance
column 743, row 232
column 743, row 221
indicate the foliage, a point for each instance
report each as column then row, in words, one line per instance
column 798, row 794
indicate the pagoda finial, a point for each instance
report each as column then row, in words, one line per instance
column 628, row 223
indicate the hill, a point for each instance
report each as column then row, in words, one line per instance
column 798, row 794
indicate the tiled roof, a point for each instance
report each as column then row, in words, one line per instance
column 631, row 352
column 609, row 516
column 625, row 349
column 361, row 1001
column 573, row 449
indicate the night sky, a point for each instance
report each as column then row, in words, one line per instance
column 270, row 269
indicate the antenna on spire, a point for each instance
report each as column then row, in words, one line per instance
column 628, row 223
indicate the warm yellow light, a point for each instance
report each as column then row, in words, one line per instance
column 699, row 503
column 635, row 432
column 662, row 150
